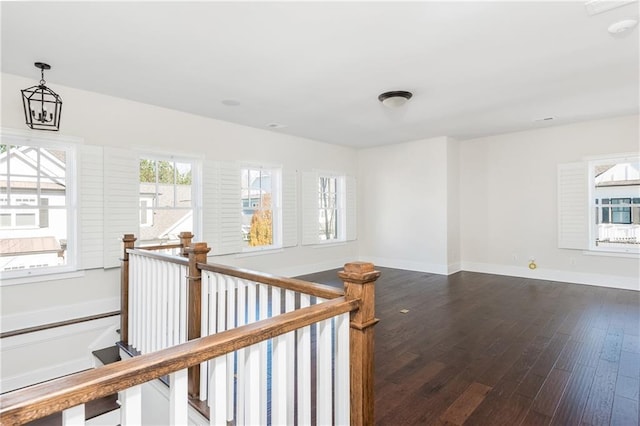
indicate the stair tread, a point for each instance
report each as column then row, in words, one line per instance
column 108, row 355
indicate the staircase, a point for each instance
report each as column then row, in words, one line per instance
column 104, row 411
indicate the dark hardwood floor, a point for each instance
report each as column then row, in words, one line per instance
column 480, row 349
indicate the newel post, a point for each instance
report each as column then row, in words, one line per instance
column 197, row 254
column 185, row 241
column 128, row 242
column 359, row 283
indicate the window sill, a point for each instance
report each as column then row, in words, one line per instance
column 36, row 278
column 611, row 254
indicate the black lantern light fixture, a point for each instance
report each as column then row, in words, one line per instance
column 42, row 106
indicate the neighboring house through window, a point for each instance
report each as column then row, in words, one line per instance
column 167, row 200
column 615, row 191
column 599, row 204
column 37, row 206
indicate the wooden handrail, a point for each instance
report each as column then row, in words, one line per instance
column 51, row 325
column 24, row 405
column 313, row 289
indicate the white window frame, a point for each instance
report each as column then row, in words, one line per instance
column 71, row 146
column 196, row 189
column 276, row 205
column 593, row 229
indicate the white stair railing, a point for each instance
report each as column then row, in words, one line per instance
column 157, row 301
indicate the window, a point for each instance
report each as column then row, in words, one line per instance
column 331, row 210
column 615, row 194
column 260, row 204
column 37, row 206
column 167, row 201
column 328, row 208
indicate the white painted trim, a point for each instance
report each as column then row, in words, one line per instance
column 409, row 265
column 44, row 374
column 51, row 334
column 574, row 277
column 58, row 313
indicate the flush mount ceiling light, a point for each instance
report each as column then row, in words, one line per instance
column 395, row 99
column 42, row 106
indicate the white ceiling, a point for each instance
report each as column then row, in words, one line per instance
column 475, row 68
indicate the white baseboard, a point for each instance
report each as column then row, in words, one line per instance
column 58, row 313
column 574, row 277
column 411, row 265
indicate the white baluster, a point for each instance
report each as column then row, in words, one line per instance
column 131, row 406
column 324, row 383
column 165, row 280
column 240, row 373
column 253, row 393
column 218, row 400
column 153, row 318
column 178, row 401
column 278, row 369
column 263, row 299
column 304, row 368
column 133, row 302
column 207, row 324
column 289, row 305
column 342, row 386
column 221, row 310
column 172, row 303
column 231, row 312
column 73, row 416
column 183, row 303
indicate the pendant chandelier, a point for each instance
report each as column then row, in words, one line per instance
column 42, row 106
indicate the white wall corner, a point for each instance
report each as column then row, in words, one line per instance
column 454, row 267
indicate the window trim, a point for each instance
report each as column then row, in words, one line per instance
column 71, row 145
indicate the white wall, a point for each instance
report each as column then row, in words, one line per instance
column 453, row 206
column 108, row 121
column 508, row 202
column 403, row 203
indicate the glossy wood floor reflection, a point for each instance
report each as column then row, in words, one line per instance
column 480, row 349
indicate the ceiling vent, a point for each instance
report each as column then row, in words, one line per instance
column 595, row 7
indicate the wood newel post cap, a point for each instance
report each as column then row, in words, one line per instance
column 359, row 272
column 129, row 238
column 186, row 235
column 198, row 248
